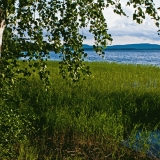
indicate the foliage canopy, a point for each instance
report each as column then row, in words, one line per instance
column 58, row 22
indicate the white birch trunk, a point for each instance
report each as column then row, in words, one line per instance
column 2, row 27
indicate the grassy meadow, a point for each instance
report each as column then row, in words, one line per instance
column 86, row 121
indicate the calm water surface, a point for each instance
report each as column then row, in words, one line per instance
column 146, row 57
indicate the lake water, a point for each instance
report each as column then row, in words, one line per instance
column 146, row 57
column 151, row 141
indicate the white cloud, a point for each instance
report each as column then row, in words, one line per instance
column 132, row 40
column 125, row 31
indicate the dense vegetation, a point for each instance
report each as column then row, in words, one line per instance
column 87, row 120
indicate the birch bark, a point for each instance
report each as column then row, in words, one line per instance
column 2, row 27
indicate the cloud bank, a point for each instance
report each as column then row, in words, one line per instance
column 126, row 31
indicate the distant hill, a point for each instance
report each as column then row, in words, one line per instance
column 86, row 46
column 141, row 46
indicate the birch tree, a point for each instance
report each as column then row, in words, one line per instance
column 58, row 22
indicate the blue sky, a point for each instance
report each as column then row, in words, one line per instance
column 125, row 31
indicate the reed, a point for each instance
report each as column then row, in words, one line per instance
column 88, row 120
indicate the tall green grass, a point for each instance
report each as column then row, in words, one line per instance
column 87, row 120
